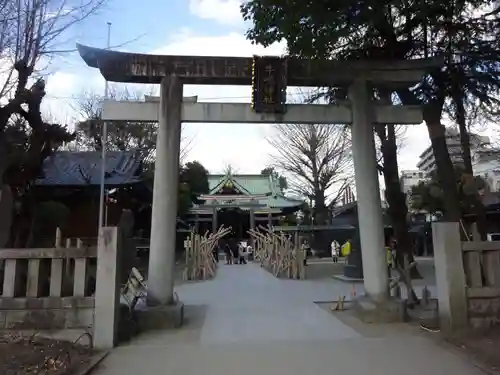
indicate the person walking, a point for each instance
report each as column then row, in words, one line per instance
column 235, row 251
column 250, row 255
column 390, row 252
column 229, row 254
column 346, row 248
column 335, row 248
column 305, row 248
column 242, row 249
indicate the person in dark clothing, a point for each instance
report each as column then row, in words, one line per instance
column 215, row 252
column 234, row 251
column 227, row 251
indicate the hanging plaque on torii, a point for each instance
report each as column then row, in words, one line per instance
column 269, row 82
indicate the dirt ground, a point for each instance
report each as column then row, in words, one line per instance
column 481, row 347
column 41, row 356
column 323, row 269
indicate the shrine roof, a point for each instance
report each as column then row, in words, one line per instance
column 254, row 189
column 248, row 184
column 67, row 168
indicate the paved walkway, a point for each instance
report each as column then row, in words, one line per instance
column 247, row 322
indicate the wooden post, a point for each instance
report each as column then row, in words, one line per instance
column 214, row 220
column 197, row 223
column 107, row 294
column 32, row 287
column 9, row 278
column 56, row 269
column 79, row 278
column 252, row 226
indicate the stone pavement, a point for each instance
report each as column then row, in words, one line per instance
column 248, row 322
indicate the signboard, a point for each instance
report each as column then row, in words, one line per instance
column 269, row 82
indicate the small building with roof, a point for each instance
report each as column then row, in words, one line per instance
column 241, row 201
column 74, row 178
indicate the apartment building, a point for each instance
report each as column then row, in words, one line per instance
column 427, row 164
column 486, row 164
column 485, row 160
column 410, row 178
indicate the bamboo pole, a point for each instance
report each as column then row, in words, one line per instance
column 200, row 261
column 278, row 253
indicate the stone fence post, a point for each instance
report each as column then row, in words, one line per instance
column 450, row 276
column 107, row 294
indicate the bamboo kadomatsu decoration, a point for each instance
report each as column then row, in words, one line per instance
column 278, row 253
column 200, row 261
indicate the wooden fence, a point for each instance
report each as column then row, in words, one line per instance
column 468, row 278
column 481, row 260
column 54, row 288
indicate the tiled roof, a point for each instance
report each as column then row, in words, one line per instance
column 344, row 213
column 278, row 201
column 251, row 183
column 345, row 208
column 254, row 184
column 66, row 168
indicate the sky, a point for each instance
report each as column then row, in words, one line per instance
column 183, row 27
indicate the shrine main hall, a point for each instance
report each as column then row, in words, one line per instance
column 241, row 201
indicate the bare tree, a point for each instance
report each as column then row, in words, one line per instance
column 122, row 135
column 29, row 30
column 318, row 160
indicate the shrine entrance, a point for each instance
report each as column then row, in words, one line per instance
column 235, row 218
column 269, row 78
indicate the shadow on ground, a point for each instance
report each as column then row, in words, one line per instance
column 194, row 318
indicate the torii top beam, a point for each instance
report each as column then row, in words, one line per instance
column 204, row 70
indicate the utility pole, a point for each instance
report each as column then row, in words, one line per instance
column 104, row 140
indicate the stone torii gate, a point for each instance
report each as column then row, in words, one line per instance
column 170, row 110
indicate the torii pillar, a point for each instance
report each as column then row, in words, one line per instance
column 161, row 269
column 370, row 215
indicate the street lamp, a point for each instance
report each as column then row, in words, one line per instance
column 104, row 140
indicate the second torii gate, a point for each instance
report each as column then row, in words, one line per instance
column 171, row 72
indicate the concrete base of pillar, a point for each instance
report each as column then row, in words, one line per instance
column 352, row 271
column 426, row 314
column 160, row 317
column 348, row 279
column 391, row 311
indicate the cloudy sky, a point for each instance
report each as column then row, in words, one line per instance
column 183, row 27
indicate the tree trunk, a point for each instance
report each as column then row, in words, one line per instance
column 464, row 133
column 477, row 204
column 321, row 211
column 4, row 157
column 444, row 166
column 396, row 199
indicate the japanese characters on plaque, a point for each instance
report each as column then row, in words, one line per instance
column 269, row 81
